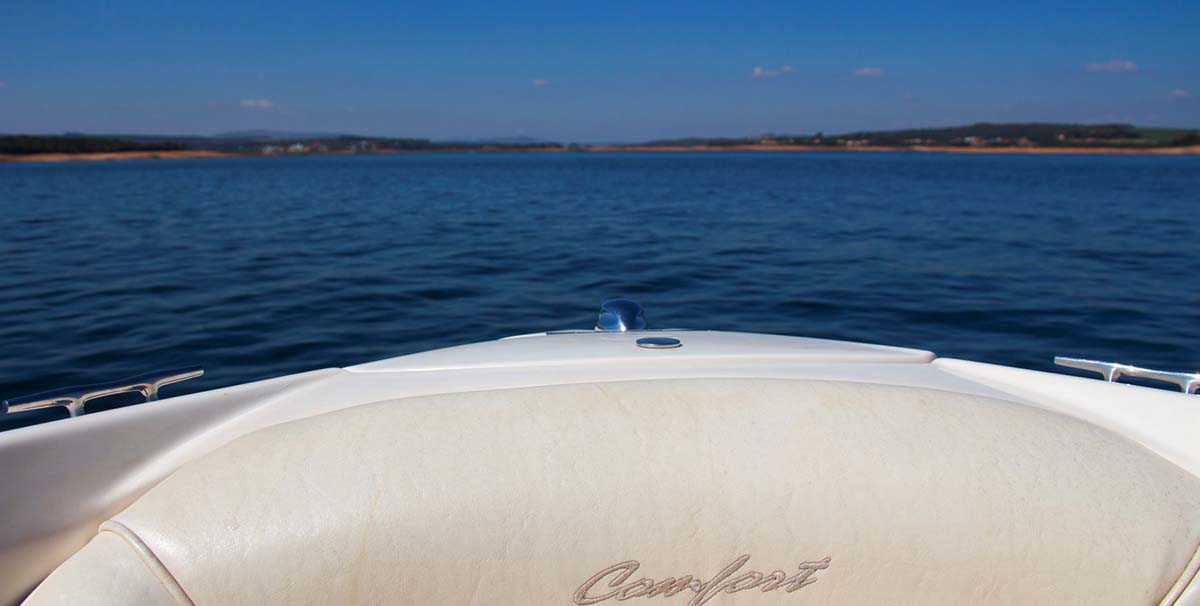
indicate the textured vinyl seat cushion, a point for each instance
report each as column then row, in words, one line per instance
column 797, row 492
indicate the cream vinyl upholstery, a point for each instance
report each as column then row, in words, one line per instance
column 762, row 492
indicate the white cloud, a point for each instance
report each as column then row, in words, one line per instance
column 540, row 82
column 257, row 103
column 1114, row 66
column 869, row 72
column 1179, row 93
column 759, row 73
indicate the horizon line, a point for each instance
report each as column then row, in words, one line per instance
column 301, row 134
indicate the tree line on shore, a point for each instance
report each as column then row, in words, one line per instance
column 975, row 135
column 20, row 145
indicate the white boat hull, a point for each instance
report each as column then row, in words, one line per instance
column 64, row 479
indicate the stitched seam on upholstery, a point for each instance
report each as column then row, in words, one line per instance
column 150, row 560
column 1185, row 579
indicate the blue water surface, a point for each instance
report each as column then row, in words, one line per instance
column 256, row 268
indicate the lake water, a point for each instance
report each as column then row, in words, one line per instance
column 255, row 268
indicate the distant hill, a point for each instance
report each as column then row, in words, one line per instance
column 251, row 142
column 278, row 135
column 983, row 134
column 515, row 140
column 24, row 145
column 1034, row 133
column 269, row 142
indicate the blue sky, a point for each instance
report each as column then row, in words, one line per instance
column 591, row 71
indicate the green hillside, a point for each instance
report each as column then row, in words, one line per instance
column 21, row 145
column 983, row 134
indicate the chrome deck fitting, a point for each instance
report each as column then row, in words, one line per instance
column 75, row 398
column 658, row 343
column 1188, row 382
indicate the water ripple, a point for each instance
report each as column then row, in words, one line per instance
column 261, row 267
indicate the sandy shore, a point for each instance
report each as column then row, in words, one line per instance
column 138, row 155
column 190, row 154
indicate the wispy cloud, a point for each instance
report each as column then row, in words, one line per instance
column 257, row 103
column 869, row 72
column 540, row 82
column 1179, row 93
column 759, row 73
column 1114, row 66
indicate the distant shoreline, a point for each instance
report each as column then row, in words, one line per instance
column 127, row 155
column 196, row 154
column 944, row 149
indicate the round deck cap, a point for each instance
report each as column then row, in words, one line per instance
column 658, row 343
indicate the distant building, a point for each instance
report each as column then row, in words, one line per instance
column 297, row 148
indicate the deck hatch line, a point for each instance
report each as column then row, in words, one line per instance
column 150, row 560
column 1185, row 580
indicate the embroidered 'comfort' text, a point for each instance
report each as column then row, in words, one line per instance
column 613, row 582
